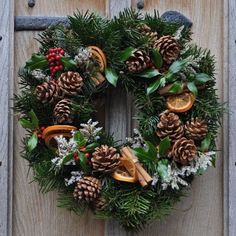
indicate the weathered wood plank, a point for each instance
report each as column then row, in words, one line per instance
column 231, row 168
column 6, row 47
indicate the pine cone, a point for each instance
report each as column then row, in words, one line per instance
column 168, row 48
column 183, row 151
column 138, row 61
column 88, row 188
column 70, row 83
column 170, row 125
column 105, row 159
column 63, row 112
column 100, row 203
column 196, row 129
column 48, row 92
column 146, row 30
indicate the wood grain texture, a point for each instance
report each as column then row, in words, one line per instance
column 231, row 168
column 6, row 47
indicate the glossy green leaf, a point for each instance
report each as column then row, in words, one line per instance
column 32, row 142
column 162, row 168
column 149, row 73
column 177, row 66
column 155, row 85
column 156, row 58
column 67, row 158
column 192, row 87
column 176, row 87
column 26, row 123
column 32, row 124
column 205, row 144
column 37, row 61
column 111, row 76
column 152, row 150
column 34, row 119
column 83, row 162
column 126, row 54
column 142, row 154
column 91, row 147
column 68, row 63
column 202, row 78
column 79, row 138
column 164, row 146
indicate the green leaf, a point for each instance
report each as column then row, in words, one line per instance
column 91, row 147
column 192, row 87
column 164, row 146
column 152, row 150
column 126, row 54
column 79, row 138
column 67, row 158
column 111, row 76
column 176, row 87
column 156, row 58
column 155, row 85
column 142, row 154
column 177, row 66
column 32, row 124
column 202, row 78
column 37, row 61
column 83, row 162
column 149, row 73
column 162, row 168
column 68, row 63
column 205, row 143
column 32, row 142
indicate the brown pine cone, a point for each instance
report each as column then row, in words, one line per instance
column 146, row 30
column 138, row 61
column 70, row 83
column 105, row 159
column 183, row 151
column 48, row 92
column 88, row 188
column 196, row 129
column 168, row 48
column 100, row 203
column 63, row 112
column 170, row 125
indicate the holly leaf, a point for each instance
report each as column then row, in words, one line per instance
column 67, row 158
column 152, row 150
column 83, row 162
column 149, row 73
column 37, row 61
column 126, row 54
column 164, row 146
column 111, row 76
column 162, row 168
column 176, row 87
column 33, row 123
column 205, row 144
column 155, row 85
column 91, row 147
column 177, row 66
column 79, row 139
column 68, row 63
column 32, row 142
column 156, row 58
column 202, row 78
column 192, row 88
column 142, row 154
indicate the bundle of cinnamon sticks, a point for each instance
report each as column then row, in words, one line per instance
column 143, row 177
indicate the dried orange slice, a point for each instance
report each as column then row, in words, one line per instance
column 51, row 132
column 126, row 171
column 99, row 56
column 180, row 102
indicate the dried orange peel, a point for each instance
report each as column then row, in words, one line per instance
column 180, row 102
column 53, row 131
column 126, row 171
column 99, row 56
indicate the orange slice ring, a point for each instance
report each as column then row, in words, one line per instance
column 99, row 56
column 53, row 131
column 180, row 102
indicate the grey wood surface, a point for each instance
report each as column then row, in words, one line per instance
column 6, row 43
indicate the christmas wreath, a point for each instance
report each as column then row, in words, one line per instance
column 172, row 82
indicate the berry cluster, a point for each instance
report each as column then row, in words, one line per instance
column 54, row 58
column 39, row 132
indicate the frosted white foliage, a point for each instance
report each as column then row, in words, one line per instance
column 137, row 140
column 90, row 130
column 75, row 177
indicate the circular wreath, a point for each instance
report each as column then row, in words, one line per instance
column 172, row 83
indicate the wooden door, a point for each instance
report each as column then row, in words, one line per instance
column 199, row 214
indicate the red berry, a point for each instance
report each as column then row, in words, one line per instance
column 75, row 156
column 83, row 149
column 53, row 54
column 62, row 52
column 39, row 135
column 61, row 67
column 58, row 57
column 59, row 49
column 50, row 50
column 50, row 60
column 42, row 128
column 47, row 57
column 58, row 63
column 56, row 68
column 87, row 154
column 51, row 68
